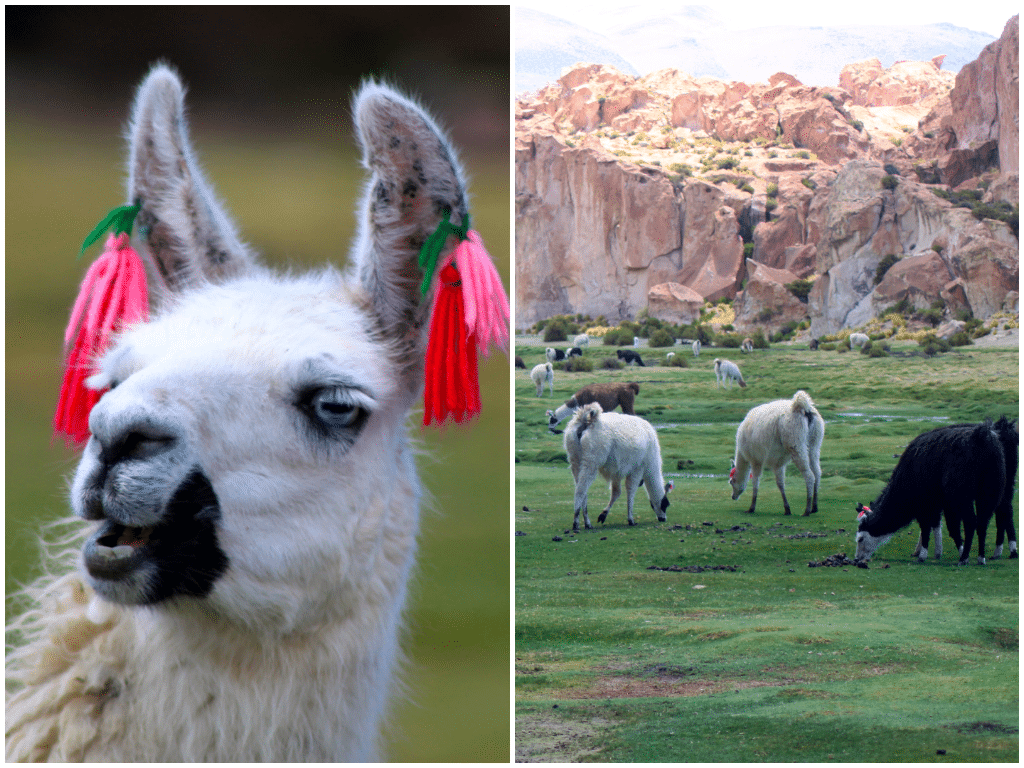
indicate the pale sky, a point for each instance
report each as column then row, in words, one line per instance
column 988, row 16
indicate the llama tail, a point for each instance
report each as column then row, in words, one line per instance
column 802, row 403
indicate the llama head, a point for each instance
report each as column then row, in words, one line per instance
column 251, row 451
column 867, row 542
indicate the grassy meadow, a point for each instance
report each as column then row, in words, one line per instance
column 293, row 199
column 744, row 652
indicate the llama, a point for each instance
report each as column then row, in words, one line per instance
column 960, row 469
column 608, row 394
column 250, row 478
column 519, row 363
column 542, row 374
column 1007, row 432
column 573, row 352
column 581, row 341
column 629, row 357
column 636, row 342
column 770, row 437
column 747, row 345
column 696, row 348
column 813, row 345
column 554, row 355
column 726, row 372
column 620, row 447
column 858, row 340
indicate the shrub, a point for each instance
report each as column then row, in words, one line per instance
column 770, row 205
column 773, row 189
column 748, row 250
column 873, row 349
column 661, row 338
column 800, row 289
column 932, row 345
column 809, row 183
column 726, row 163
column 617, row 337
column 612, row 363
column 889, row 182
column 803, row 154
column 677, row 361
column 758, row 337
column 577, row 365
column 765, row 315
column 555, row 330
column 884, row 265
column 960, row 339
column 891, row 169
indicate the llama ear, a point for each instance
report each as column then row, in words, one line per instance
column 183, row 233
column 414, row 181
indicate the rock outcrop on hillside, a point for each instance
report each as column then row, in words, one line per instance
column 642, row 192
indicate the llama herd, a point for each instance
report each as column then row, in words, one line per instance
column 964, row 473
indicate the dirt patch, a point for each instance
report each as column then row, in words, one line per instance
column 693, row 568
column 984, row 727
column 550, row 738
column 833, row 561
column 622, row 687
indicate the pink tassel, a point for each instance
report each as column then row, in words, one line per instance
column 113, row 294
column 487, row 310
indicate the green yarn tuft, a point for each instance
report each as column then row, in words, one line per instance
column 121, row 219
column 431, row 249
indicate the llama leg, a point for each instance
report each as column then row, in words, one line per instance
column 755, row 483
column 583, row 483
column 631, row 486
column 970, row 523
column 937, row 532
column 922, row 545
column 953, row 528
column 780, row 480
column 615, row 495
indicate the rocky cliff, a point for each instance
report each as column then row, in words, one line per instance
column 666, row 189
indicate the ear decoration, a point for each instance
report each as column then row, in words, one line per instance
column 113, row 293
column 469, row 311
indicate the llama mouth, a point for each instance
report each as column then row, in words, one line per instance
column 178, row 555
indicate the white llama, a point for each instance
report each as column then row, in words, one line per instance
column 249, row 479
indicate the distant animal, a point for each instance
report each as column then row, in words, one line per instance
column 636, row 342
column 619, row 447
column 554, row 355
column 573, row 352
column 770, row 437
column 813, row 344
column 696, row 347
column 726, row 372
column 519, row 362
column 581, row 341
column 608, row 394
column 960, row 469
column 858, row 340
column 629, row 357
column 747, row 345
column 670, row 355
column 542, row 374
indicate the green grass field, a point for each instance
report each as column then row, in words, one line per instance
column 293, row 199
column 744, row 652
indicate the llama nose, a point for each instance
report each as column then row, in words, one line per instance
column 129, row 436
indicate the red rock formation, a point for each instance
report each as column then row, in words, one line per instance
column 634, row 192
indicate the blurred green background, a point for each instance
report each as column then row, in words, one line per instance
column 269, row 93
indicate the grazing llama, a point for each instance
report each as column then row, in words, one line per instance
column 770, row 437
column 250, row 478
column 726, row 372
column 619, row 447
column 543, row 373
column 610, row 394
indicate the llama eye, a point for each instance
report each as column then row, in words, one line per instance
column 334, row 408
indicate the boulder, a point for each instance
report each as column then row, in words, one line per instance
column 674, row 303
column 766, row 301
